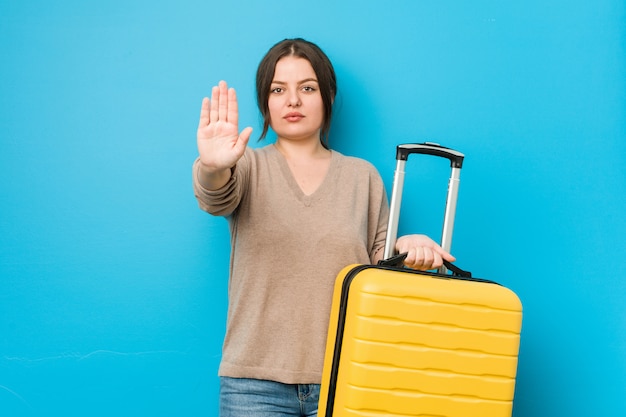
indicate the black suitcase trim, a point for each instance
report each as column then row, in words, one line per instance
column 332, row 386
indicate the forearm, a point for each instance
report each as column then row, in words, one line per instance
column 378, row 256
column 212, row 179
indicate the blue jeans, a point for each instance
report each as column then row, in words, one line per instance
column 242, row 397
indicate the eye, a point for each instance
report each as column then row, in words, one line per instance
column 277, row 90
column 309, row 88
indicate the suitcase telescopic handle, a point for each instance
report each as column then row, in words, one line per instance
column 402, row 155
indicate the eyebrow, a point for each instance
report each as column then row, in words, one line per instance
column 306, row 80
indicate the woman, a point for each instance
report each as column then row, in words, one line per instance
column 298, row 212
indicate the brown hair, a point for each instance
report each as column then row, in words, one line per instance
column 323, row 70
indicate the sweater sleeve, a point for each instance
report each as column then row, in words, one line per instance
column 223, row 201
column 378, row 216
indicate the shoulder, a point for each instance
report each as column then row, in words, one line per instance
column 357, row 175
column 359, row 165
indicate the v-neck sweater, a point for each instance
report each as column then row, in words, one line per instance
column 286, row 251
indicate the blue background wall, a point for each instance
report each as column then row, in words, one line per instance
column 113, row 282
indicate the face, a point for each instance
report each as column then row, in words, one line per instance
column 295, row 103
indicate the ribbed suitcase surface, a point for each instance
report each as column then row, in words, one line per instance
column 411, row 344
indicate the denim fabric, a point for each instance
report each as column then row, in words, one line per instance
column 242, row 397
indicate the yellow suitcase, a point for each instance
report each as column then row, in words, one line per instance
column 411, row 343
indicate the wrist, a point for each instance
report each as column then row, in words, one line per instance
column 213, row 178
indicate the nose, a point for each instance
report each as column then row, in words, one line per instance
column 294, row 99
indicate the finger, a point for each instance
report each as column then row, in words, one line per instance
column 417, row 258
column 223, row 104
column 437, row 261
column 215, row 100
column 233, row 107
column 429, row 258
column 204, row 113
column 409, row 259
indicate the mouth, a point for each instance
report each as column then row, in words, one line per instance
column 293, row 117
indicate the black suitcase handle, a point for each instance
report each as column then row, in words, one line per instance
column 429, row 148
column 396, row 262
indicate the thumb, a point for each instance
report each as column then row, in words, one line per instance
column 245, row 134
column 243, row 139
column 444, row 254
column 447, row 256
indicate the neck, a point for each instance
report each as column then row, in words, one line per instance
column 301, row 149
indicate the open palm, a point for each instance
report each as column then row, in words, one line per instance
column 220, row 144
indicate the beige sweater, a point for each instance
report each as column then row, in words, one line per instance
column 286, row 251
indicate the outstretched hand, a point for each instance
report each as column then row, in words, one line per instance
column 220, row 144
column 422, row 252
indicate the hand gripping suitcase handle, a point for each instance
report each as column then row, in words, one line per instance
column 402, row 155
